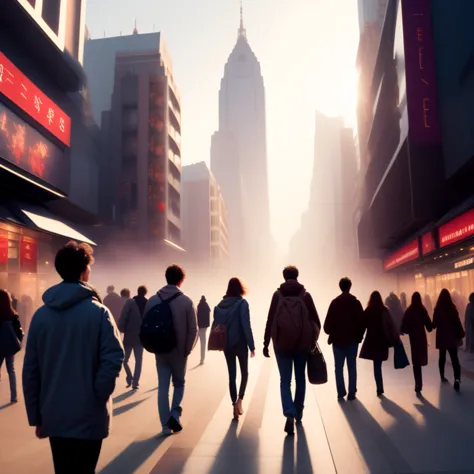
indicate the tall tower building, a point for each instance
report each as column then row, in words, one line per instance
column 239, row 150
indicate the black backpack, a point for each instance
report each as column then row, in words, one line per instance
column 157, row 331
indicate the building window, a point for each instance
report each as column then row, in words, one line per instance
column 51, row 13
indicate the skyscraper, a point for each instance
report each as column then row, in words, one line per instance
column 239, row 150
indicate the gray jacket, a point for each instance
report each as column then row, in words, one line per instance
column 184, row 318
column 73, row 358
column 130, row 323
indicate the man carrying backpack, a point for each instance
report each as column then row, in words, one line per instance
column 293, row 325
column 173, row 344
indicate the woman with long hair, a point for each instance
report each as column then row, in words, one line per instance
column 416, row 322
column 381, row 334
column 233, row 312
column 9, row 316
column 449, row 335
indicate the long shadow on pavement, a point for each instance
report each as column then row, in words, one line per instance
column 2, row 407
column 129, row 406
column 123, row 396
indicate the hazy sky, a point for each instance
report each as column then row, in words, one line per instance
column 307, row 50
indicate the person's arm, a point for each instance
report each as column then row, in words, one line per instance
column 427, row 321
column 458, row 329
column 268, row 327
column 32, row 377
column 360, row 319
column 17, row 327
column 435, row 319
column 313, row 312
column 111, row 357
column 192, row 330
column 329, row 319
column 405, row 327
column 245, row 321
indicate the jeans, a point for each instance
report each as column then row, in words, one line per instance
column 378, row 375
column 453, row 354
column 10, row 362
column 203, row 342
column 75, row 456
column 170, row 367
column 240, row 352
column 292, row 408
column 418, row 374
column 138, row 354
column 340, row 356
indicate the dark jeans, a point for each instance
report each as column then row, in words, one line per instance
column 418, row 374
column 239, row 352
column 378, row 375
column 292, row 408
column 453, row 354
column 340, row 356
column 10, row 362
column 75, row 456
column 138, row 354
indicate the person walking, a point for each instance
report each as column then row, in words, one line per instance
column 449, row 335
column 130, row 324
column 172, row 366
column 73, row 358
column 395, row 307
column 293, row 326
column 416, row 322
column 403, row 302
column 204, row 321
column 381, row 335
column 469, row 324
column 345, row 326
column 114, row 302
column 9, row 320
column 233, row 312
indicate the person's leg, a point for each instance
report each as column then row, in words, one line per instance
column 91, row 450
column 128, row 372
column 300, row 362
column 352, row 368
column 453, row 354
column 178, row 376
column 243, row 356
column 417, row 372
column 138, row 354
column 10, row 361
column 230, row 359
column 75, row 456
column 339, row 360
column 442, row 363
column 203, row 339
column 285, row 367
column 164, row 379
column 378, row 376
column 61, row 455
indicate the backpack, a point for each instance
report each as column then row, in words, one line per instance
column 218, row 335
column 290, row 323
column 157, row 333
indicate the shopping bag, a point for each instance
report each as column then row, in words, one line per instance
column 400, row 359
column 9, row 342
column 317, row 370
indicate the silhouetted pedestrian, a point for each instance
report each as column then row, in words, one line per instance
column 204, row 321
column 345, row 326
column 395, row 307
column 114, row 303
column 449, row 335
column 403, row 302
column 381, row 334
column 469, row 324
column 416, row 322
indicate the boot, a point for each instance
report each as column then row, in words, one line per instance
column 239, row 406
column 236, row 412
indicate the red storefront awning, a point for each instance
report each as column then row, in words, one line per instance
column 406, row 254
column 428, row 243
column 460, row 228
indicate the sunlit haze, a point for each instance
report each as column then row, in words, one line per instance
column 307, row 51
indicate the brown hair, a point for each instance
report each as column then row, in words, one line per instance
column 235, row 288
column 6, row 307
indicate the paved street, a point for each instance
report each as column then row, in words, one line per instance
column 398, row 434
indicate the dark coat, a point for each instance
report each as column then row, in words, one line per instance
column 448, row 327
column 469, row 325
column 115, row 303
column 415, row 321
column 203, row 314
column 381, row 334
column 395, row 307
column 345, row 321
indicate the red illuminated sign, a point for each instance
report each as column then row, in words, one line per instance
column 20, row 90
column 28, row 254
column 458, row 229
column 406, row 254
column 3, row 248
column 428, row 243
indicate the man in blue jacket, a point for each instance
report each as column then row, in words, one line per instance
column 72, row 361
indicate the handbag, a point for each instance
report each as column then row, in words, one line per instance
column 400, row 359
column 217, row 338
column 317, row 370
column 9, row 342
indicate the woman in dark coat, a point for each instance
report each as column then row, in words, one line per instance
column 449, row 335
column 469, row 324
column 382, row 333
column 415, row 321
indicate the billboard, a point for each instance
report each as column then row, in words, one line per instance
column 458, row 229
column 406, row 254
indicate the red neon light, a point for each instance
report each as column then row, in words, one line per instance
column 458, row 229
column 428, row 243
column 28, row 254
column 406, row 254
column 20, row 90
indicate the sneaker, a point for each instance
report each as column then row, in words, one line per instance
column 299, row 418
column 290, row 425
column 174, row 424
column 351, row 397
column 14, row 400
column 444, row 380
column 418, row 389
column 135, row 387
column 166, row 431
column 457, row 385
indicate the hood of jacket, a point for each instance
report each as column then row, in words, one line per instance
column 168, row 291
column 68, row 294
column 291, row 288
column 227, row 303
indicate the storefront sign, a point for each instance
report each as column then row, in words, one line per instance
column 458, row 229
column 20, row 90
column 26, row 148
column 406, row 254
column 3, row 249
column 464, row 263
column 428, row 243
column 421, row 85
column 28, row 254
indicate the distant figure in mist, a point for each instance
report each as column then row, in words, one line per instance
column 395, row 307
column 233, row 312
column 416, row 322
column 114, row 303
column 293, row 325
column 73, row 358
column 204, row 321
column 469, row 324
column 403, row 302
column 345, row 326
column 449, row 335
column 172, row 366
column 381, row 335
column 130, row 324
